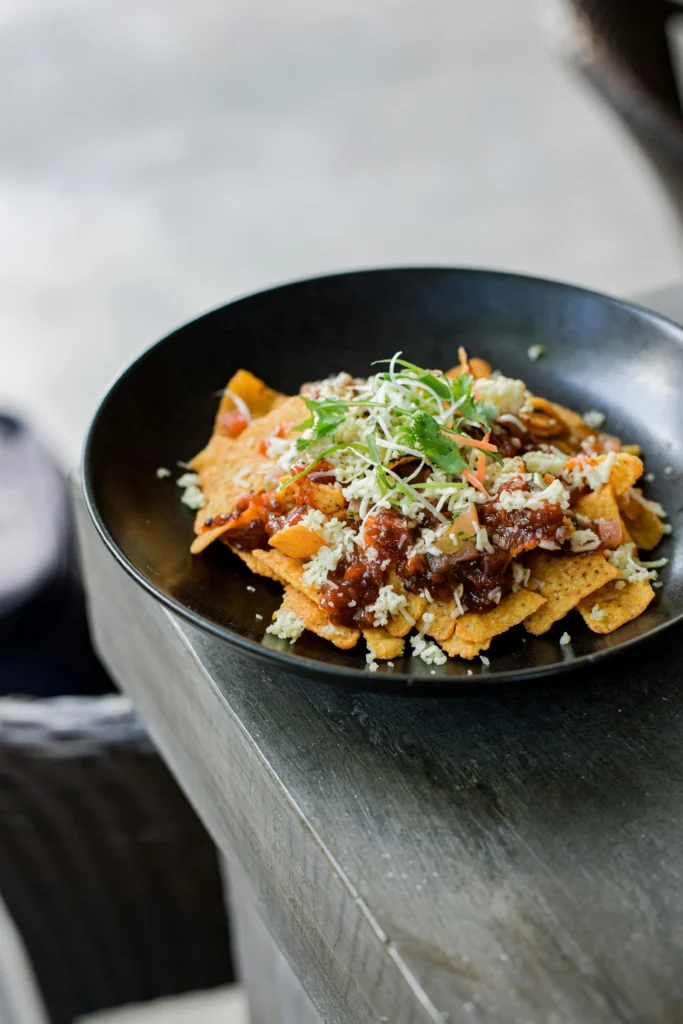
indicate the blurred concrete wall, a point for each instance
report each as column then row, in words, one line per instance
column 158, row 157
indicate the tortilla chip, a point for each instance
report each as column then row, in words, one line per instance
column 318, row 621
column 455, row 647
column 202, row 540
column 438, row 620
column 477, row 627
column 297, row 541
column 620, row 605
column 478, row 368
column 257, row 396
column 290, row 413
column 382, row 644
column 574, row 422
column 646, row 528
column 626, row 469
column 258, row 568
column 564, row 580
column 325, row 497
column 600, row 504
column 399, row 625
column 288, row 570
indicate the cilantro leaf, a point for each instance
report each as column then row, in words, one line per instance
column 327, row 415
column 465, row 402
column 441, row 451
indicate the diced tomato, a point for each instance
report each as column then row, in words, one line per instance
column 280, row 431
column 233, row 422
column 611, row 533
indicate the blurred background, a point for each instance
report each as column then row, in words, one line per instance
column 160, row 157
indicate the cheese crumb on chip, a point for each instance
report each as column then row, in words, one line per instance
column 597, row 612
column 584, row 540
column 388, row 603
column 286, row 625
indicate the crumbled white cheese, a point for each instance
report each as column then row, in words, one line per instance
column 427, row 619
column 390, row 664
column 470, row 672
column 520, row 576
column 370, row 660
column 193, row 497
column 259, row 617
column 252, row 590
column 484, row 660
column 584, row 540
column 535, row 352
column 565, row 639
column 507, row 394
column 457, row 597
column 594, row 418
column 668, row 470
column 188, row 480
column 649, row 477
column 552, row 461
column 619, row 584
column 277, row 447
column 555, row 492
column 430, row 653
column 625, row 559
column 652, row 506
column 482, row 539
column 339, row 541
column 162, row 473
column 388, row 603
column 286, row 625
column 592, row 473
column 597, row 613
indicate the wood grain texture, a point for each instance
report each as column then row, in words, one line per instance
column 507, row 859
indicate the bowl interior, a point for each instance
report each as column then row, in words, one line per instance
column 599, row 354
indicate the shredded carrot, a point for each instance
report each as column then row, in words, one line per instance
column 472, row 479
column 462, row 356
column 481, row 461
column 484, row 445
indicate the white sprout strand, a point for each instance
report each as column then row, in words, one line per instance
column 241, row 404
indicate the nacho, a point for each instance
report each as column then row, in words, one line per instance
column 610, row 607
column 415, row 500
column 383, row 645
column 318, row 621
column 563, row 582
column 456, row 647
column 478, row 627
column 438, row 620
column 644, row 526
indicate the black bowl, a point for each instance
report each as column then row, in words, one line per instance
column 600, row 353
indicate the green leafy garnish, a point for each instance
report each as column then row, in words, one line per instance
column 440, row 450
column 440, row 385
column 326, row 417
column 466, row 404
column 374, row 455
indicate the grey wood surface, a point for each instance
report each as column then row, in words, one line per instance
column 512, row 858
